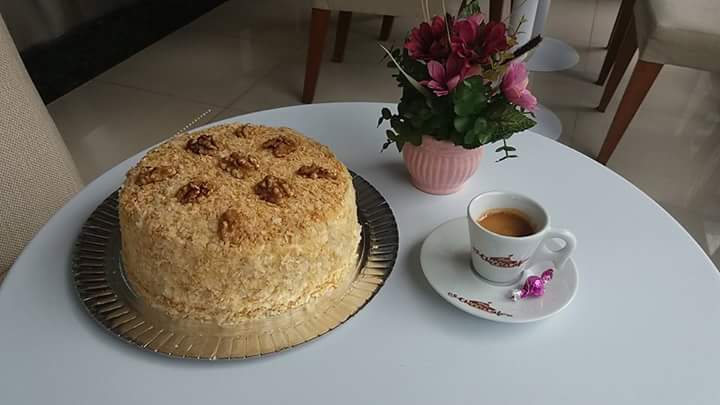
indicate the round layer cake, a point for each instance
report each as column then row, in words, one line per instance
column 237, row 222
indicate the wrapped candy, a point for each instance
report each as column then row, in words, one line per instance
column 534, row 286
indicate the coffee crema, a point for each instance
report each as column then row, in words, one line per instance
column 507, row 222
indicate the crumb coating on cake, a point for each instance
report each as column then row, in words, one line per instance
column 237, row 222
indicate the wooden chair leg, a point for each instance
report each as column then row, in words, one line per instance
column 624, row 56
column 343, row 27
column 613, row 32
column 641, row 80
column 386, row 27
column 319, row 22
column 616, row 38
column 496, row 10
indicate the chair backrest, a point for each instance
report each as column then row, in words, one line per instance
column 37, row 174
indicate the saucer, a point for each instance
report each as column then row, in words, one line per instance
column 445, row 260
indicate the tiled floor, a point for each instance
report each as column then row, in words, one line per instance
column 246, row 56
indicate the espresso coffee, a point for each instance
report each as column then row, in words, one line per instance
column 507, row 222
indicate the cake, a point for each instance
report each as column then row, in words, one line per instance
column 237, row 222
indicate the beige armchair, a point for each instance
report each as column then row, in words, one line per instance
column 320, row 20
column 37, row 174
column 681, row 33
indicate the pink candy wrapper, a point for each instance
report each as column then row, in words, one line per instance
column 534, row 286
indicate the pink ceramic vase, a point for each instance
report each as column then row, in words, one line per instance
column 440, row 167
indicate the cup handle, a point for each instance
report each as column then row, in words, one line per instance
column 558, row 257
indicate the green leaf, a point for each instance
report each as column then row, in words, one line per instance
column 504, row 120
column 457, row 138
column 415, row 139
column 468, row 8
column 470, row 138
column 462, row 124
column 505, row 148
column 437, row 121
column 395, row 121
column 386, row 114
column 471, row 97
column 481, row 124
column 417, row 86
column 442, row 134
column 485, row 137
column 425, row 114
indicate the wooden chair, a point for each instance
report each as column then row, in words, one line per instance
column 37, row 174
column 320, row 20
column 680, row 33
column 622, row 22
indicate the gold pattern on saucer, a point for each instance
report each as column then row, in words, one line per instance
column 109, row 299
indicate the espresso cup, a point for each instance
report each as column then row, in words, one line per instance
column 503, row 259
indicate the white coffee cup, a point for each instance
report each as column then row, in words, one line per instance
column 503, row 259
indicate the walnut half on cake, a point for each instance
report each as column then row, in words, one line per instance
column 225, row 228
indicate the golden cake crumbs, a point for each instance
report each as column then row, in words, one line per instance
column 281, row 146
column 239, row 165
column 149, row 175
column 193, row 192
column 234, row 256
column 314, row 171
column 202, row 145
column 230, row 226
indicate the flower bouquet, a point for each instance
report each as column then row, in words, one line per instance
column 463, row 86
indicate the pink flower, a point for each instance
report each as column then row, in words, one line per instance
column 445, row 78
column 514, row 87
column 429, row 41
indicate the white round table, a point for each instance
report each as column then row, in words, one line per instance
column 644, row 327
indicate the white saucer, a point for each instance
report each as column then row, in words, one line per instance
column 445, row 260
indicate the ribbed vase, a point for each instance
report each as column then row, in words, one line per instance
column 440, row 167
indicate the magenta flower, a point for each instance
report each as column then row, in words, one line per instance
column 477, row 40
column 445, row 78
column 514, row 87
column 429, row 41
column 465, row 30
column 465, row 36
column 494, row 39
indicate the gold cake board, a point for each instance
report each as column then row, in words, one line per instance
column 107, row 296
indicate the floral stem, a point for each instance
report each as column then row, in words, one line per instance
column 507, row 149
column 463, row 4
